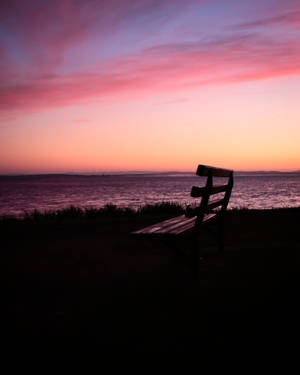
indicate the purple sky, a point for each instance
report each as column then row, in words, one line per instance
column 100, row 62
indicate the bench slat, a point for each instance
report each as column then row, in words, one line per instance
column 200, row 191
column 190, row 225
column 218, row 189
column 166, row 226
column 206, row 170
column 157, row 226
column 213, row 204
column 209, row 217
column 197, row 191
column 183, row 222
column 184, row 228
column 175, row 225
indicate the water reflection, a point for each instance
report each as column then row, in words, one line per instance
column 18, row 195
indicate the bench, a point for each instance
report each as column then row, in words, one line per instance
column 198, row 215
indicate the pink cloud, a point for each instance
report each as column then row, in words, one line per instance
column 45, row 30
column 168, row 68
column 290, row 19
column 7, row 67
column 285, row 14
column 82, row 121
column 176, row 101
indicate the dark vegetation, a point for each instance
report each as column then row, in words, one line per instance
column 78, row 274
column 108, row 210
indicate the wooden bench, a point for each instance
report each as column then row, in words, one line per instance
column 198, row 215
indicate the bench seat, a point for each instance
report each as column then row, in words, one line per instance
column 175, row 226
column 197, row 214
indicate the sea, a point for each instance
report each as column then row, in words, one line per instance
column 24, row 194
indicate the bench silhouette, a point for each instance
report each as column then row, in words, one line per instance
column 198, row 215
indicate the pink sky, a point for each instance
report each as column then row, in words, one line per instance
column 92, row 86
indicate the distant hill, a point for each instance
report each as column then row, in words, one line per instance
column 144, row 173
column 255, row 173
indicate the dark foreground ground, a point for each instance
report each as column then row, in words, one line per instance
column 83, row 279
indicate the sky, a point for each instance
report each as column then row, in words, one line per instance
column 149, row 85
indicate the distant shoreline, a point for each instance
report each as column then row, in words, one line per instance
column 141, row 173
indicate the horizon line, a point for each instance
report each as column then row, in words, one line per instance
column 137, row 172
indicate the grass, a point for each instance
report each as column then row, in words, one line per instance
column 78, row 273
column 108, row 210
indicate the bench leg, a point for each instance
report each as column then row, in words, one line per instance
column 195, row 257
column 220, row 234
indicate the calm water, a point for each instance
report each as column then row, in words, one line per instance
column 26, row 193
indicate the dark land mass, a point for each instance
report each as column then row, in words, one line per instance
column 138, row 174
column 82, row 277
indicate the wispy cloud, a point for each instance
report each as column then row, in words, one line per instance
column 284, row 14
column 290, row 19
column 162, row 68
column 82, row 121
column 43, row 31
column 176, row 101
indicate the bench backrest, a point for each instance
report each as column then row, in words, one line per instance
column 205, row 192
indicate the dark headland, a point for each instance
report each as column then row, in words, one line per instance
column 75, row 274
